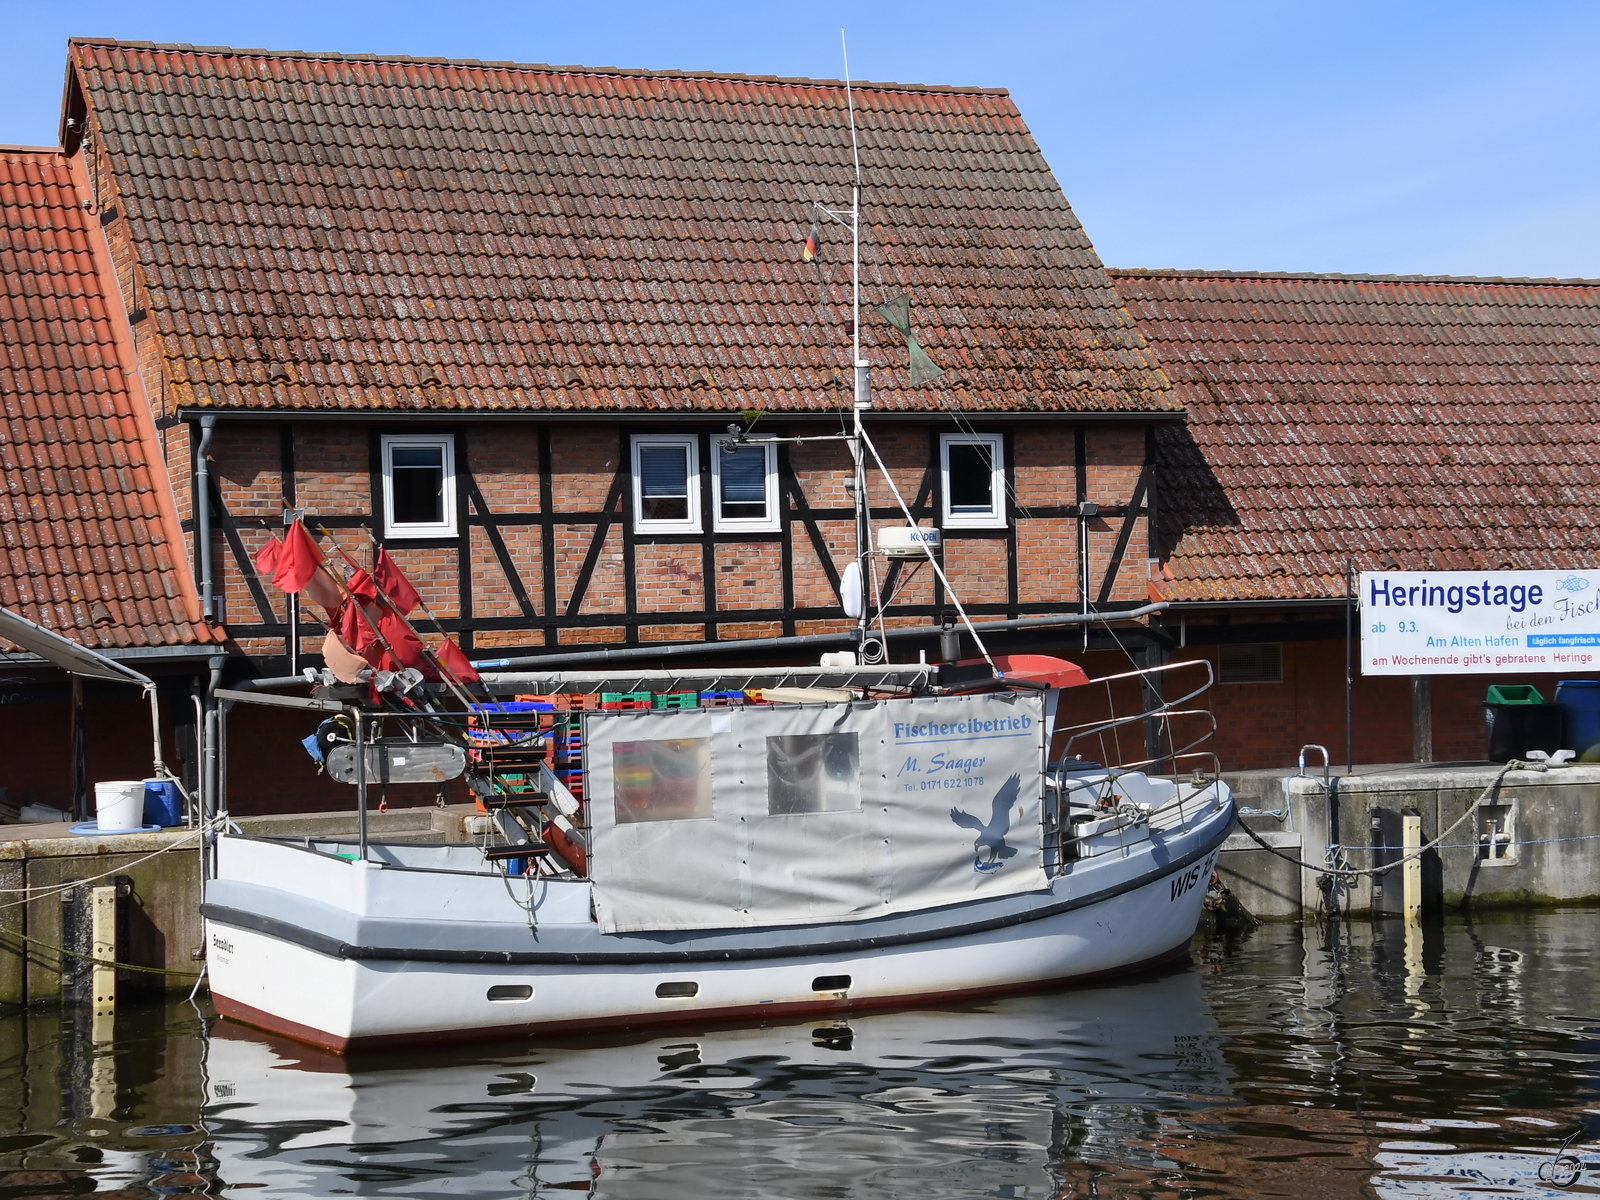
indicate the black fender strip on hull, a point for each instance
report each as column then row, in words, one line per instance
column 332, row 947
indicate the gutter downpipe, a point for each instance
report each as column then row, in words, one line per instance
column 208, row 426
column 211, row 774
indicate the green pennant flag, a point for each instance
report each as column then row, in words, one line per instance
column 897, row 312
column 923, row 369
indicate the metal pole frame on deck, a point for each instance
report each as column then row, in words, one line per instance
column 361, row 781
column 228, row 697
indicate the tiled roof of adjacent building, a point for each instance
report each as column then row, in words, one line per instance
column 338, row 232
column 1402, row 422
column 91, row 543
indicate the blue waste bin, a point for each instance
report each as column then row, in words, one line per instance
column 163, row 805
column 1580, row 715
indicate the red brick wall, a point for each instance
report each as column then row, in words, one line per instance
column 1265, row 724
column 746, row 572
column 332, row 469
column 492, row 595
column 36, row 763
column 504, row 459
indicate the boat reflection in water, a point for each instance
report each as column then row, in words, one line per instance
column 1010, row 1097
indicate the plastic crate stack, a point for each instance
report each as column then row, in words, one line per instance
column 564, row 745
column 504, row 737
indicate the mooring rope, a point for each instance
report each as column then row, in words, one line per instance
column 1353, row 872
column 89, row 958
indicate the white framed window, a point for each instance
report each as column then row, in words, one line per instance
column 666, row 483
column 973, row 473
column 419, row 485
column 744, row 488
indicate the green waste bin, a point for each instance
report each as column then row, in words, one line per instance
column 1518, row 720
column 1513, row 693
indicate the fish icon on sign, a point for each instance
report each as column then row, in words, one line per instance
column 1573, row 583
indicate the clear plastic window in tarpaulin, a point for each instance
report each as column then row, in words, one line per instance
column 796, row 814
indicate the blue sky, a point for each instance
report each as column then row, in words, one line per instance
column 1386, row 137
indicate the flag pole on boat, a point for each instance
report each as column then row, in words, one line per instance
column 861, row 394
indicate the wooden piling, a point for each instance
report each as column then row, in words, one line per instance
column 1410, row 843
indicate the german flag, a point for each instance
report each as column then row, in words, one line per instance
column 813, row 244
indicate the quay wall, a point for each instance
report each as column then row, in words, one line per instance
column 158, row 918
column 1545, row 827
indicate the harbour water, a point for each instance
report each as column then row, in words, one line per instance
column 1454, row 1058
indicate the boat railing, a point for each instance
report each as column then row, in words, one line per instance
column 1102, row 797
column 1159, row 719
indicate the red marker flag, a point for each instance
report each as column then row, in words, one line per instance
column 405, row 645
column 361, row 586
column 297, row 561
column 345, row 664
column 356, row 629
column 324, row 589
column 395, row 585
column 267, row 557
column 451, row 656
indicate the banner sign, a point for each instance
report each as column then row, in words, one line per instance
column 1479, row 622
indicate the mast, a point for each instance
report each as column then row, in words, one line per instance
column 862, row 394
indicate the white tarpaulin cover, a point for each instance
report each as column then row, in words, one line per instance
column 791, row 815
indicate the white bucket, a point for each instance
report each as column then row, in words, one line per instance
column 119, row 804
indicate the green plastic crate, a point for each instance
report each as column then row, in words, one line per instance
column 1513, row 693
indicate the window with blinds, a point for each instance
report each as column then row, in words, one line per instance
column 666, row 484
column 744, row 483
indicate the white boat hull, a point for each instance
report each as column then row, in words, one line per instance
column 1147, row 915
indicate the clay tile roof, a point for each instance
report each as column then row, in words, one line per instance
column 1407, row 423
column 323, row 231
column 89, row 540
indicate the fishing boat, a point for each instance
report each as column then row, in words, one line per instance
column 706, row 846
column 841, row 838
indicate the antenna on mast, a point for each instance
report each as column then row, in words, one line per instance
column 863, row 393
column 860, row 370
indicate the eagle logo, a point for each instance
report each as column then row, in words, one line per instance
column 989, row 847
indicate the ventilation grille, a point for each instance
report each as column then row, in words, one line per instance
column 1254, row 662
